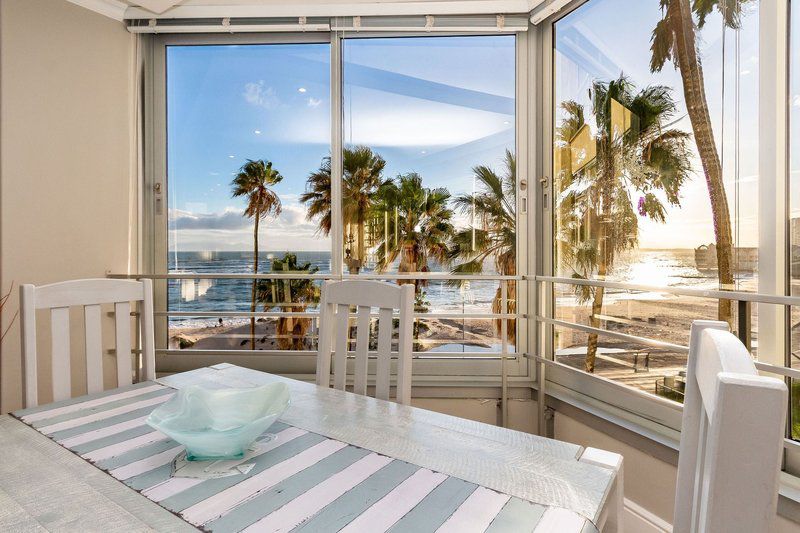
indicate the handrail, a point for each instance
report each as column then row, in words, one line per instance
column 433, row 276
column 740, row 296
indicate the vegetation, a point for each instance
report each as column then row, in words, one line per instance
column 423, row 225
column 361, row 179
column 632, row 150
column 492, row 232
column 254, row 182
column 675, row 40
column 291, row 296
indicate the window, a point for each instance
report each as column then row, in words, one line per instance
column 435, row 117
column 650, row 193
column 245, row 126
column 428, row 192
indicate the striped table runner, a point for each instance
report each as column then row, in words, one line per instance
column 300, row 481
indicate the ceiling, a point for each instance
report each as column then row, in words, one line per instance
column 130, row 9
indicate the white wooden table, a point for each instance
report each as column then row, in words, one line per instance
column 339, row 462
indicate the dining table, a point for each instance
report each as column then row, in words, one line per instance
column 334, row 461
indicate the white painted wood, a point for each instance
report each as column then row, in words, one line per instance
column 383, row 369
column 476, row 513
column 362, row 347
column 94, row 348
column 556, row 519
column 89, row 293
column 63, row 492
column 405, row 345
column 732, row 437
column 612, row 518
column 122, row 331
column 325, row 339
column 314, row 500
column 392, row 507
column 342, row 333
column 366, row 295
column 59, row 334
column 222, row 502
column 147, row 333
column 27, row 304
column 533, row 468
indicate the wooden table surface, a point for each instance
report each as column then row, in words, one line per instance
column 46, row 487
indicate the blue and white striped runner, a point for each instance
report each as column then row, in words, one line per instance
column 301, row 481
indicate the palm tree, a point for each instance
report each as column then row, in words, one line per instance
column 674, row 39
column 492, row 232
column 632, row 150
column 291, row 295
column 421, row 228
column 254, row 181
column 361, row 178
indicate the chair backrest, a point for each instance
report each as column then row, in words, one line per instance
column 337, row 298
column 89, row 293
column 731, row 440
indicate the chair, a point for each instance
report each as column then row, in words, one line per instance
column 732, row 437
column 89, row 293
column 337, row 297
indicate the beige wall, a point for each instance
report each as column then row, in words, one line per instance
column 66, row 105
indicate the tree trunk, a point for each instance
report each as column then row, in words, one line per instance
column 694, row 93
column 408, row 265
column 255, row 284
column 360, row 243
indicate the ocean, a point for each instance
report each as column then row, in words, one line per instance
column 660, row 268
column 208, row 295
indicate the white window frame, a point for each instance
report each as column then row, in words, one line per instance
column 473, row 370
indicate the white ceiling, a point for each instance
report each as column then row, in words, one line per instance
column 122, row 9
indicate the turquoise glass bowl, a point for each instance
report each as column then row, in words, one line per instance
column 219, row 423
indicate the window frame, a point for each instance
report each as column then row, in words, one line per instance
column 471, row 371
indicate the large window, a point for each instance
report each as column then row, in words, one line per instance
column 427, row 195
column 649, row 189
column 246, row 124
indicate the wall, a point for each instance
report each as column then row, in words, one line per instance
column 66, row 102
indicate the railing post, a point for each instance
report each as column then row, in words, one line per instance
column 504, row 352
column 743, row 323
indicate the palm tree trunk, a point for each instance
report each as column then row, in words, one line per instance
column 697, row 106
column 255, row 284
column 362, row 256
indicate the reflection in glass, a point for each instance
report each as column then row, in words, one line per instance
column 632, row 171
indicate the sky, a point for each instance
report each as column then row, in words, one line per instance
column 437, row 106
column 433, row 105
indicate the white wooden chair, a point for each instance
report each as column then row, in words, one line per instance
column 732, row 438
column 337, row 297
column 89, row 293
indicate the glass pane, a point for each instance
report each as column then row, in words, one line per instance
column 794, row 205
column 651, row 189
column 429, row 182
column 245, row 127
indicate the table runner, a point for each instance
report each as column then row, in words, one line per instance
column 300, row 481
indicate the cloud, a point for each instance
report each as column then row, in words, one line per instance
column 314, row 102
column 227, row 220
column 258, row 94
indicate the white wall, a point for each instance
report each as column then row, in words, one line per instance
column 66, row 103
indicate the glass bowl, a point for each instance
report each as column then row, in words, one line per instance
column 219, row 423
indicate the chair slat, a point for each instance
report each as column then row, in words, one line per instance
column 94, row 348
column 147, row 333
column 342, row 338
column 362, row 348
column 327, row 313
column 27, row 305
column 384, row 366
column 59, row 331
column 122, row 318
column 405, row 345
